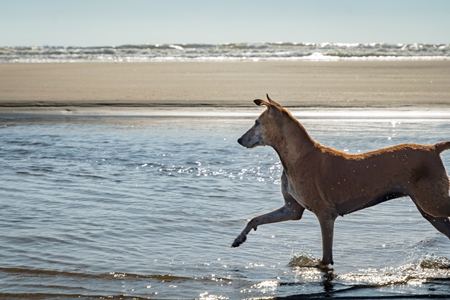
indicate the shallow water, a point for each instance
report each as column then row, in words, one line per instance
column 148, row 208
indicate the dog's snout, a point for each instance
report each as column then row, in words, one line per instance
column 239, row 141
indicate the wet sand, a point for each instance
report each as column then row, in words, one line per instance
column 36, row 88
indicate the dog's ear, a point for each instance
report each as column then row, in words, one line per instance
column 268, row 104
column 261, row 102
column 271, row 101
column 271, row 106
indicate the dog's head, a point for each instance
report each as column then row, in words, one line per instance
column 264, row 129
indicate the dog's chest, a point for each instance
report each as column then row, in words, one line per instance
column 296, row 193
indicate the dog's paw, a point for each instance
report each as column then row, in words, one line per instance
column 325, row 266
column 239, row 240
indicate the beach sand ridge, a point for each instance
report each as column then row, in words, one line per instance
column 341, row 84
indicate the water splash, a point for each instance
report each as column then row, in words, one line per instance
column 304, row 260
column 427, row 268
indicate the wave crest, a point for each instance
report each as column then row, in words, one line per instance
column 226, row 52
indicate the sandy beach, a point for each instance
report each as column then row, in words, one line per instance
column 359, row 84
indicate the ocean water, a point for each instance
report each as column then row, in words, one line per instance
column 147, row 208
column 226, row 52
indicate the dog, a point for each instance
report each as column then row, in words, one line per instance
column 332, row 183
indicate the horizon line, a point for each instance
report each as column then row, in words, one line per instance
column 227, row 43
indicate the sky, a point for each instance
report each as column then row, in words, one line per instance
column 114, row 23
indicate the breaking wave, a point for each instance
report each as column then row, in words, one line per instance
column 226, row 52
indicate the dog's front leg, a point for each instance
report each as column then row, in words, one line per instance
column 284, row 213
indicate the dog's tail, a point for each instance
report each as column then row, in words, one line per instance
column 439, row 147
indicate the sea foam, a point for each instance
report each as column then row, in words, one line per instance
column 226, row 52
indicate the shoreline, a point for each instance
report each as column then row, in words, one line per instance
column 60, row 88
column 363, row 114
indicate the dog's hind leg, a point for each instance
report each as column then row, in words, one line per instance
column 431, row 192
column 290, row 211
column 442, row 224
column 433, row 204
column 327, row 229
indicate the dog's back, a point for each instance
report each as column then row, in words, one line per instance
column 357, row 181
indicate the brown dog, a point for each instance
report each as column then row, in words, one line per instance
column 330, row 183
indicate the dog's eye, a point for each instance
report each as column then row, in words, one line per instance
column 256, row 123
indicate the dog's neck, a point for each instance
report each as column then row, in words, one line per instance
column 292, row 142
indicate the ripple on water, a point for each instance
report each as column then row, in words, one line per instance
column 100, row 208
